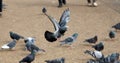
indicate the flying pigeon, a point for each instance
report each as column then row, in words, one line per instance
column 15, row 36
column 58, row 60
column 29, row 58
column 116, row 26
column 9, row 45
column 112, row 34
column 60, row 28
column 69, row 40
column 44, row 10
column 92, row 40
column 31, row 47
column 30, row 39
column 96, row 54
column 99, row 47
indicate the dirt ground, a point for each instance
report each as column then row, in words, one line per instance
column 25, row 17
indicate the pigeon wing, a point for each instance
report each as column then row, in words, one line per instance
column 64, row 18
column 12, row 44
column 54, row 22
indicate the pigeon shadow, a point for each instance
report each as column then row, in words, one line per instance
column 6, row 50
column 88, row 44
column 107, row 39
column 64, row 46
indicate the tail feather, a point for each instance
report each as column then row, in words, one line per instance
column 5, row 47
column 22, row 37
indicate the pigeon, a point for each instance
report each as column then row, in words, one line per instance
column 116, row 26
column 58, row 60
column 92, row 40
column 112, row 34
column 69, row 40
column 30, row 39
column 15, row 36
column 96, row 54
column 99, row 47
column 44, row 10
column 113, row 58
column 29, row 58
column 31, row 47
column 60, row 28
column 9, row 45
column 95, row 61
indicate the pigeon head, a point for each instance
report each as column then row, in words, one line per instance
column 63, row 60
column 96, row 38
column 44, row 10
column 11, row 32
column 75, row 35
column 112, row 32
column 49, row 36
column 101, row 43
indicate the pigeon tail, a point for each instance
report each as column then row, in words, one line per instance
column 5, row 47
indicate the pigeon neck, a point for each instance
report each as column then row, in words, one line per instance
column 33, row 52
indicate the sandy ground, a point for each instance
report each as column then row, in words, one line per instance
column 25, row 17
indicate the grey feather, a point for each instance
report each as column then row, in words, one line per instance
column 12, row 44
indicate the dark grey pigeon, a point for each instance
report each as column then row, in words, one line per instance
column 58, row 60
column 15, row 36
column 31, row 47
column 113, row 58
column 92, row 40
column 44, row 10
column 96, row 54
column 9, row 45
column 60, row 28
column 116, row 26
column 99, row 47
column 112, row 34
column 95, row 61
column 69, row 40
column 29, row 58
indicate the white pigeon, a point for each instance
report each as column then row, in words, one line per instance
column 95, row 54
column 30, row 39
